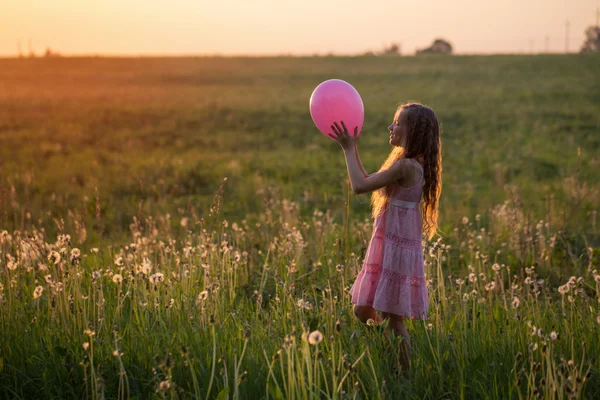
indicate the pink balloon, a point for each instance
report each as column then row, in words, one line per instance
column 336, row 100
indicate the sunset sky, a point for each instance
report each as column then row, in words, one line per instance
column 255, row 27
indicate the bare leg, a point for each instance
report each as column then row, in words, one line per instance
column 364, row 313
column 396, row 327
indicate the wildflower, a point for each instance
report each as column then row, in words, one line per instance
column 118, row 261
column 465, row 220
column 89, row 332
column 86, row 346
column 516, row 302
column 370, row 322
column 563, row 289
column 96, row 275
column 117, row 278
column 472, row 277
column 533, row 347
column 94, row 250
column 37, row 292
column 304, row 304
column 466, row 297
column 459, row 282
column 430, row 327
column 11, row 265
column 116, row 353
column 315, row 337
column 157, row 277
column 75, row 253
column 496, row 267
column 553, row 336
column 54, row 257
column 146, row 266
column 203, row 295
column 164, row 385
column 184, row 221
column 490, row 286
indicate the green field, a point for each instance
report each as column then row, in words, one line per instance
column 129, row 157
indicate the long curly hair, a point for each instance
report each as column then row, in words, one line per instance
column 423, row 143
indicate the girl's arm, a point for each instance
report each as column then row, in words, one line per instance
column 362, row 169
column 363, row 183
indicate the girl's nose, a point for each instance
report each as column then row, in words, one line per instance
column 390, row 127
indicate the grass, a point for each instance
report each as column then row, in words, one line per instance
column 158, row 277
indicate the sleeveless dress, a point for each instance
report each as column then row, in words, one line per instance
column 392, row 278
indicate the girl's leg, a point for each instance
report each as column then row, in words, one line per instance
column 364, row 313
column 396, row 327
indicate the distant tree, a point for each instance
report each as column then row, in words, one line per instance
column 393, row 49
column 592, row 40
column 439, row 46
column 51, row 54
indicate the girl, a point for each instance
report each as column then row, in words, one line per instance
column 392, row 279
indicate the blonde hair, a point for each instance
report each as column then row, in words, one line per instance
column 422, row 142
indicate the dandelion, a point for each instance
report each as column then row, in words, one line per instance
column 11, row 265
column 146, row 266
column 465, row 297
column 89, row 332
column 496, row 267
column 465, row 220
column 490, row 286
column 118, row 261
column 157, row 277
column 563, row 289
column 96, row 275
column 164, row 386
column 516, row 302
column 86, row 346
column 75, row 253
column 533, row 346
column 54, row 257
column 184, row 221
column 304, row 304
column 116, row 353
column 315, row 337
column 472, row 277
column 553, row 336
column 117, row 278
column 203, row 295
column 430, row 326
column 94, row 250
column 459, row 282
column 37, row 292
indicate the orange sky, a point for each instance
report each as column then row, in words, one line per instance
column 153, row 27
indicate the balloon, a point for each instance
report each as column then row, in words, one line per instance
column 336, row 100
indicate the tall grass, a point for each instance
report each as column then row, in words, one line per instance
column 208, row 308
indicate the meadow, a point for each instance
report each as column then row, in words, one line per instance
column 178, row 228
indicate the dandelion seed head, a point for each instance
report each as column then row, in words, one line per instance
column 117, row 278
column 315, row 337
column 37, row 292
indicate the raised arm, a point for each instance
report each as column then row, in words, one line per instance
column 362, row 169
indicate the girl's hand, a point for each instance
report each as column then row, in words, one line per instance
column 343, row 137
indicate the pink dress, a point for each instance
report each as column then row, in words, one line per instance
column 392, row 279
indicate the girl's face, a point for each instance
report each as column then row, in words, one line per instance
column 398, row 129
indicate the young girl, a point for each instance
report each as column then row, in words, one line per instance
column 392, row 279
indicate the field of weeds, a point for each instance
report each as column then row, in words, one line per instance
column 178, row 228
